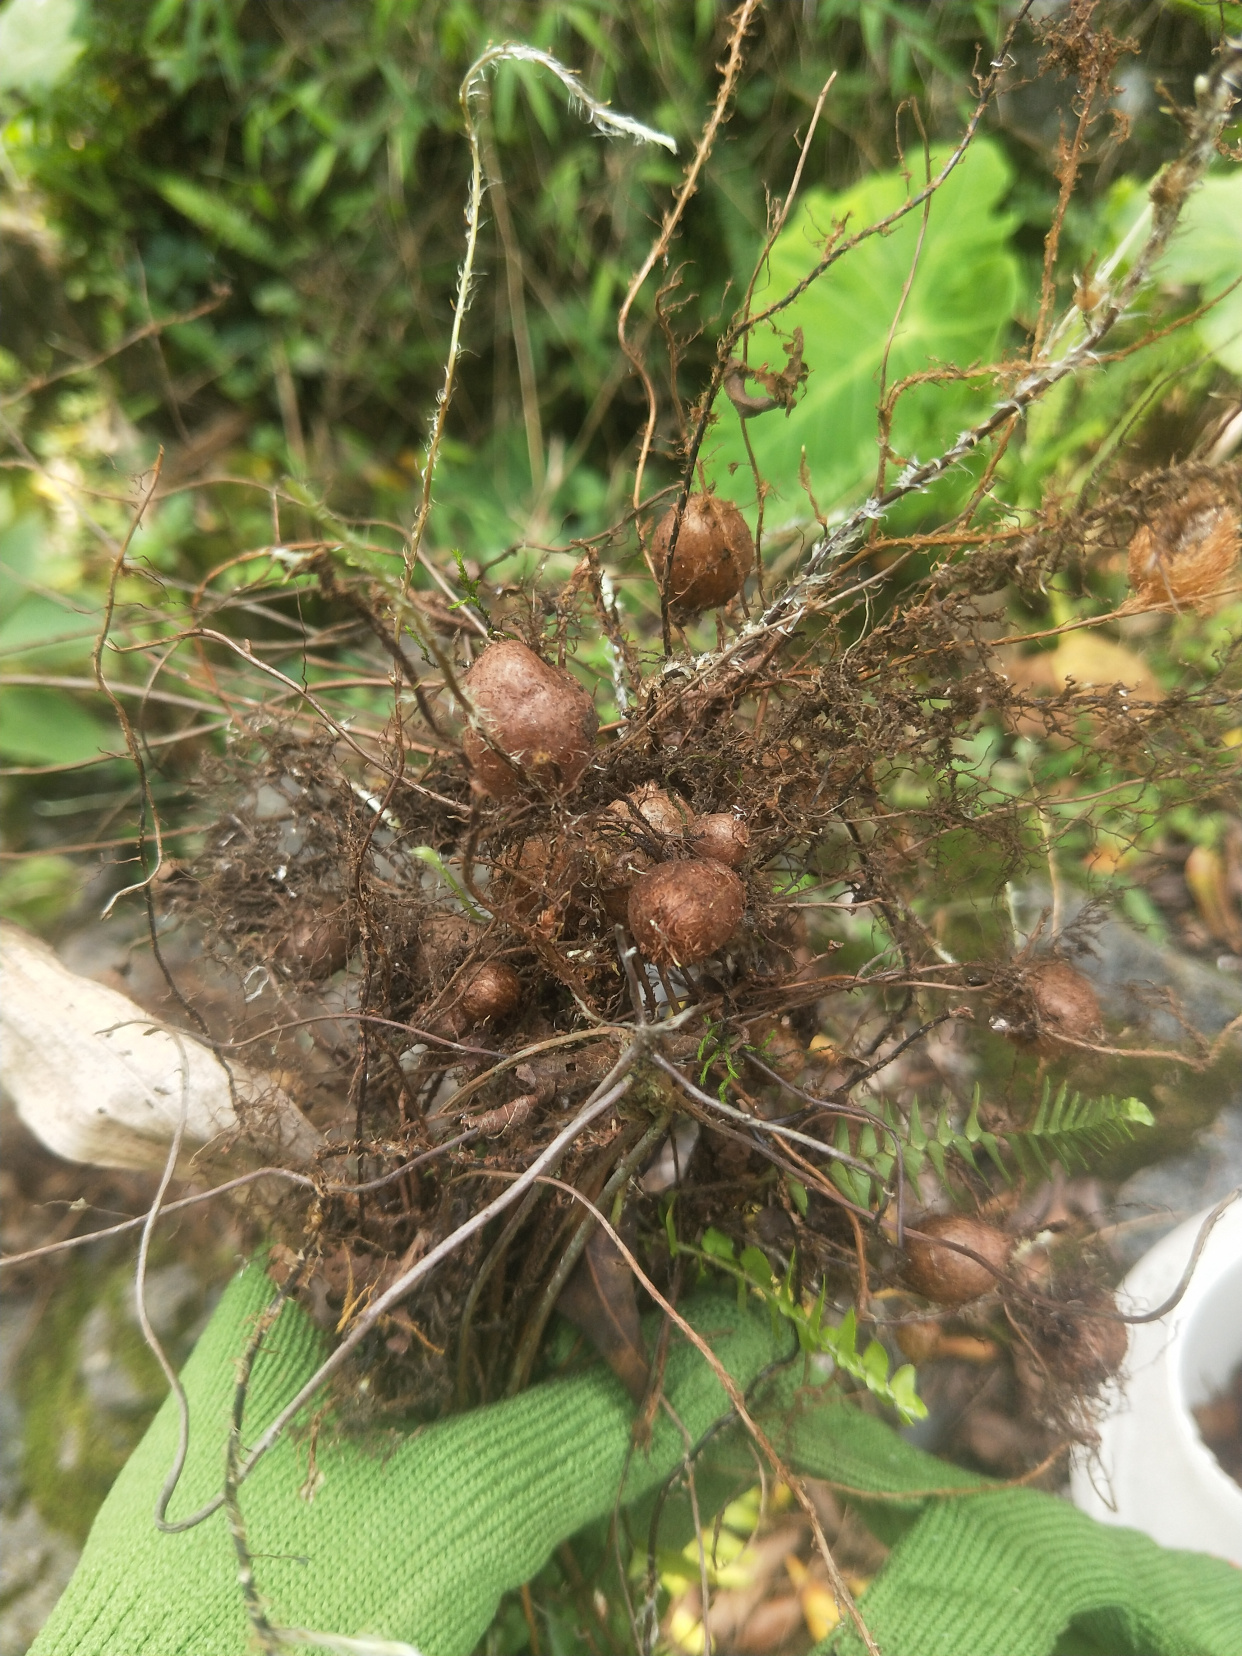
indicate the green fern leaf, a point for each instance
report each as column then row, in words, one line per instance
column 1066, row 1126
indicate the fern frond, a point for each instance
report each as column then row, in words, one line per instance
column 1066, row 1126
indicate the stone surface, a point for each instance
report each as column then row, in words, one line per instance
column 1157, row 1198
column 1141, row 983
column 1145, row 985
column 35, row 1564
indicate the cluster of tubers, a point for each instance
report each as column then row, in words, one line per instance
column 567, row 838
column 956, row 1259
column 534, row 724
column 532, row 731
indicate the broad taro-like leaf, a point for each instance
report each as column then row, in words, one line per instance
column 1205, row 253
column 47, row 727
column 960, row 302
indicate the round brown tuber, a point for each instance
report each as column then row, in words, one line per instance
column 658, row 809
column 682, row 912
column 713, row 556
column 315, row 946
column 492, row 990
column 919, row 1341
column 1072, row 1347
column 720, row 837
column 536, row 714
column 1187, row 552
column 538, row 874
column 774, row 1043
column 618, row 846
column 942, row 1273
column 1064, row 1003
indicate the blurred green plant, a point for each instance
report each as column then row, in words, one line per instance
column 1066, row 1127
column 309, row 161
column 37, row 891
column 751, row 1271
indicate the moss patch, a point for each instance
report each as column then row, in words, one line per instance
column 73, row 1449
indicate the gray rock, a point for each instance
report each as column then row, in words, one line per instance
column 11, row 1481
column 35, row 1565
column 1139, row 981
column 170, row 1290
column 1150, row 987
column 1157, row 1198
column 109, row 1385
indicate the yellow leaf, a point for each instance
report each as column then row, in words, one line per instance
column 819, row 1611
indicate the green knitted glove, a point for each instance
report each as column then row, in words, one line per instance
column 1012, row 1572
column 418, row 1542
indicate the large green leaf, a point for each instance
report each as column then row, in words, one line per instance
column 39, row 44
column 19, row 554
column 962, row 297
column 47, row 727
column 59, row 630
column 1207, row 251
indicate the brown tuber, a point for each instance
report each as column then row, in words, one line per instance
column 682, row 912
column 492, row 990
column 1188, row 551
column 946, row 1276
column 536, row 714
column 1064, row 1004
column 659, row 810
column 315, row 946
column 1096, row 1349
column 444, row 938
column 713, row 556
column 919, row 1341
column 539, row 874
column 720, row 837
column 648, row 814
column 1070, row 1345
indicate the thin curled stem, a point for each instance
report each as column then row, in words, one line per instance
column 600, row 116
